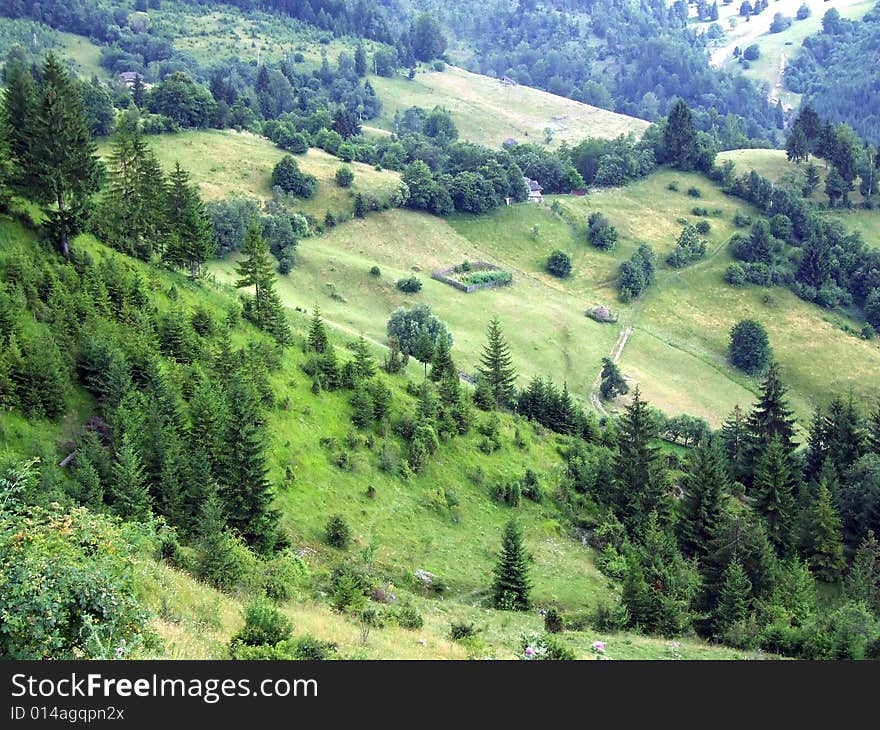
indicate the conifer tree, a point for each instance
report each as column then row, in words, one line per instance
column 734, row 435
column 16, row 122
column 218, row 562
column 90, row 491
column 381, row 395
column 817, row 446
column 190, row 233
column 863, row 581
column 255, row 269
column 823, row 545
column 873, row 431
column 734, row 597
column 246, row 491
column 770, row 418
column 317, row 339
column 774, row 494
column 640, row 483
column 362, row 408
column 364, row 365
column 680, row 137
column 844, row 434
column 64, row 171
column 701, row 506
column 134, row 208
column 512, row 586
column 612, row 382
column 497, row 366
column 441, row 360
column 131, row 496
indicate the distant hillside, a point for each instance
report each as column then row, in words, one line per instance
column 489, row 111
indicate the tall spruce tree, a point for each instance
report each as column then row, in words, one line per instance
column 317, row 339
column 512, row 586
column 679, row 138
column 364, row 364
column 735, row 437
column 734, row 597
column 256, row 270
column 640, row 480
column 441, row 360
column 190, row 233
column 217, row 559
column 774, row 493
column 246, row 490
column 16, row 122
column 770, row 418
column 873, row 431
column 64, row 172
column 844, row 433
column 131, row 495
column 823, row 546
column 497, row 366
column 701, row 506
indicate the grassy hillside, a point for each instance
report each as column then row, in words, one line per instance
column 488, row 111
column 196, row 622
column 228, row 163
column 677, row 352
column 403, row 526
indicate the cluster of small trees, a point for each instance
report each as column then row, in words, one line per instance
column 637, row 273
column 600, row 232
column 689, row 248
column 818, row 259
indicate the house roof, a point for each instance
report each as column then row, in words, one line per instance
column 534, row 187
column 131, row 76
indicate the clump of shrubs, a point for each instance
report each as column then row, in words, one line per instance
column 460, row 631
column 600, row 232
column 410, row 285
column 559, row 264
column 695, row 192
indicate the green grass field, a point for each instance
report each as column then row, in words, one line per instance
column 489, row 112
column 228, row 163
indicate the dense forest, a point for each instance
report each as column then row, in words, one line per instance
column 837, row 71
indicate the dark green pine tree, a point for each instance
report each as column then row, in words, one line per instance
column 131, row 496
column 774, row 494
column 64, row 172
column 497, row 366
column 701, row 506
column 679, row 138
column 362, row 408
column 217, row 559
column 317, row 339
column 735, row 438
column 90, row 491
column 612, row 382
column 564, row 417
column 823, row 545
column 255, row 270
column 770, row 418
column 741, row 535
column 640, row 480
column 16, row 122
column 360, row 206
column 863, row 581
column 817, row 445
column 133, row 210
column 512, row 586
column 246, row 490
column 190, row 234
column 441, row 360
column 360, row 60
column 209, row 418
column 796, row 146
column 381, row 396
column 873, row 431
column 844, row 434
column 364, row 364
column 734, row 597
